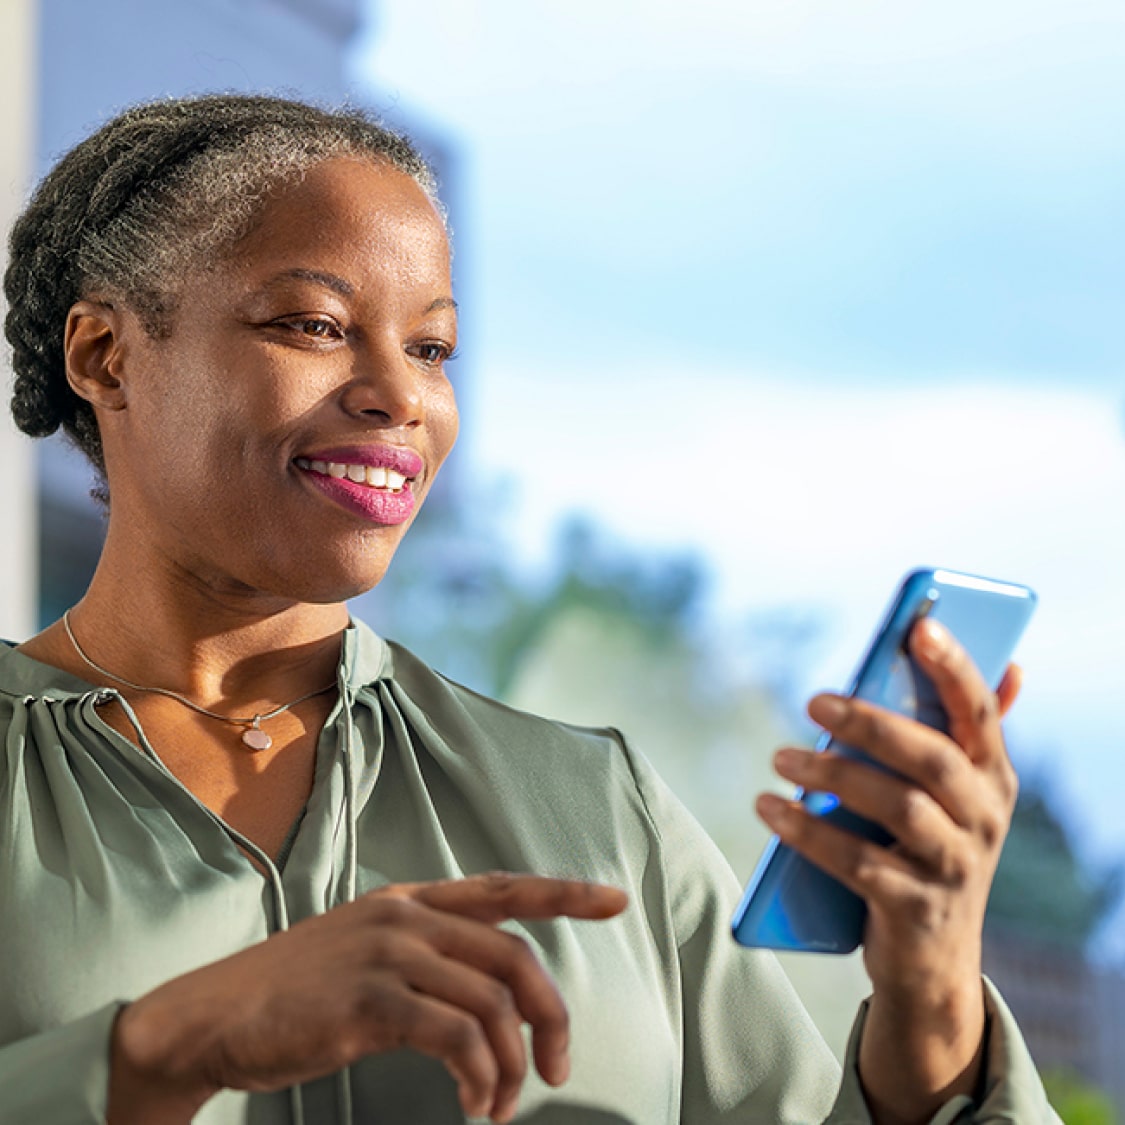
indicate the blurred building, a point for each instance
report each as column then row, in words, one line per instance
column 1071, row 1012
column 1109, row 1014
column 18, row 553
column 72, row 65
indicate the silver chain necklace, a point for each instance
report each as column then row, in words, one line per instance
column 253, row 735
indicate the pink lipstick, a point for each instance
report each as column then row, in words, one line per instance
column 373, row 481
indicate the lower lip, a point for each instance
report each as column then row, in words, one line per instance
column 379, row 505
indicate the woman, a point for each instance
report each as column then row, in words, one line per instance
column 243, row 839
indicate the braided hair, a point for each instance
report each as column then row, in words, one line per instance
column 163, row 187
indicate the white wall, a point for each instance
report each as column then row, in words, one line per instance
column 17, row 492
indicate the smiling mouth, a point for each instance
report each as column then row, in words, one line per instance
column 372, row 476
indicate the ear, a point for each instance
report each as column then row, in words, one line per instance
column 94, row 352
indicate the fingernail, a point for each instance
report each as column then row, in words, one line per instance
column 504, row 1111
column 560, row 1070
column 478, row 1106
column 932, row 639
column 789, row 763
column 772, row 809
column 828, row 710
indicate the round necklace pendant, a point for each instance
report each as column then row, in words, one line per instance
column 256, row 738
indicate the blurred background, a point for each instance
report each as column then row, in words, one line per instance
column 764, row 303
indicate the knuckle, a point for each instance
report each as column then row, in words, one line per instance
column 955, row 660
column 797, row 827
column 391, row 892
column 498, row 882
column 379, row 946
column 498, row 1003
column 866, row 725
column 510, row 1052
column 367, row 906
column 922, row 910
column 554, row 1024
column 376, row 1018
column 957, row 869
column 829, row 769
column 363, row 1003
column 937, row 768
column 914, row 808
column 866, row 872
column 461, row 1036
column 392, row 909
column 986, row 710
column 519, row 954
column 993, row 828
column 850, row 854
column 375, row 900
column 396, row 909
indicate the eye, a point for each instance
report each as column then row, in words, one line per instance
column 312, row 327
column 433, row 353
column 319, row 327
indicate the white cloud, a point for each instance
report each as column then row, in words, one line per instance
column 463, row 55
column 765, row 472
column 799, row 492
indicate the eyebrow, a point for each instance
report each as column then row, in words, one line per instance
column 345, row 288
column 318, row 277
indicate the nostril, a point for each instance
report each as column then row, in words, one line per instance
column 392, row 401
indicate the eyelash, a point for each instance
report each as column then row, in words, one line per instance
column 446, row 353
column 301, row 324
column 335, row 331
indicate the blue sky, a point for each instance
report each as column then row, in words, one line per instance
column 862, row 187
column 821, row 291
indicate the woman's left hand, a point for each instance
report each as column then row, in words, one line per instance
column 948, row 804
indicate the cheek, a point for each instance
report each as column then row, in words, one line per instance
column 243, row 412
column 444, row 422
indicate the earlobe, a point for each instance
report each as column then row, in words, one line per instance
column 94, row 354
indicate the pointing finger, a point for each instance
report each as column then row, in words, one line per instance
column 500, row 895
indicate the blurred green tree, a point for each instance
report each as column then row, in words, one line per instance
column 1076, row 1101
column 1045, row 891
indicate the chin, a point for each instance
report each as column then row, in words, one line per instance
column 325, row 577
column 326, row 588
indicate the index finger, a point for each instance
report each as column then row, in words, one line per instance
column 1009, row 688
column 970, row 704
column 500, row 895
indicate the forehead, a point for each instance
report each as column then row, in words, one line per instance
column 357, row 217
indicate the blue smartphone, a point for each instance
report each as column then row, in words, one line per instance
column 789, row 902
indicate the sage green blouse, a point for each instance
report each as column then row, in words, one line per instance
column 114, row 878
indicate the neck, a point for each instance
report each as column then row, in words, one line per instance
column 155, row 626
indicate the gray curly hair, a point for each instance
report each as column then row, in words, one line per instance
column 162, row 187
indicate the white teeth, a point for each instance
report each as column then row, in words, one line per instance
column 374, row 476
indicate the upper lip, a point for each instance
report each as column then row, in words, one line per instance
column 397, row 457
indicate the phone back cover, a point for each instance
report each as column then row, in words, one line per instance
column 790, row 903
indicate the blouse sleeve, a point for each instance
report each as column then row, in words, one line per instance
column 751, row 1051
column 59, row 1076
column 1011, row 1088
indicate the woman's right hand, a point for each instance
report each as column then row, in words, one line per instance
column 420, row 965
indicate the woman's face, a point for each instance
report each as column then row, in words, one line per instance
column 281, row 437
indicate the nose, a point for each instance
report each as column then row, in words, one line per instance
column 387, row 386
